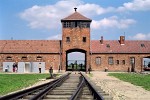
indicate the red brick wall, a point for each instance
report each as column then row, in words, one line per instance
column 49, row 59
column 115, row 66
column 54, row 60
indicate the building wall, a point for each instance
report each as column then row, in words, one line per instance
column 49, row 59
column 117, row 67
column 76, row 42
column 54, row 60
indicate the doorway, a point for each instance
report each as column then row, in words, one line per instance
column 27, row 67
column 132, row 59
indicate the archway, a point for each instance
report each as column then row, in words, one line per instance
column 76, row 60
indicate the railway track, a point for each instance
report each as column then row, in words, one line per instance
column 68, row 87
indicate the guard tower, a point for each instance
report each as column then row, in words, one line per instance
column 75, row 37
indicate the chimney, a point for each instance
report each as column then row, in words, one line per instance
column 122, row 40
column 101, row 41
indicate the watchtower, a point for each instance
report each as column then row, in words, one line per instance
column 75, row 37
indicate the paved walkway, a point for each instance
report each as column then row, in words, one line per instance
column 118, row 89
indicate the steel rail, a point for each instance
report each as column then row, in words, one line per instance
column 96, row 95
column 43, row 93
column 78, row 90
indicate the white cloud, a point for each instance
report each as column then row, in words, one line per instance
column 49, row 16
column 112, row 22
column 55, row 37
column 93, row 9
column 140, row 36
column 136, row 5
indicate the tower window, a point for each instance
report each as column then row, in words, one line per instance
column 66, row 24
column 67, row 39
column 72, row 24
column 84, row 24
column 84, row 39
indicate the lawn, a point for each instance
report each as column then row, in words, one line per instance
column 13, row 82
column 136, row 79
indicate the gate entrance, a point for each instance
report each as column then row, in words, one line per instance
column 76, row 60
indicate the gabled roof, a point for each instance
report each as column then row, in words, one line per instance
column 76, row 16
column 53, row 46
column 29, row 46
column 114, row 46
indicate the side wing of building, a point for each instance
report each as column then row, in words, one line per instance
column 115, row 55
column 29, row 55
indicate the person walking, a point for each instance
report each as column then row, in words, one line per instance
column 14, row 67
column 39, row 67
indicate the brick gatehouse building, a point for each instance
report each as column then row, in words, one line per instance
column 115, row 55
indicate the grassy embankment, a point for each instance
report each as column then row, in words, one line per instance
column 136, row 79
column 13, row 82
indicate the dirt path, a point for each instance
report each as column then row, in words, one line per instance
column 118, row 89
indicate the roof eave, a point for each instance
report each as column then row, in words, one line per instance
column 63, row 20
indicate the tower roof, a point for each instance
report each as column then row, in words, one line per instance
column 76, row 16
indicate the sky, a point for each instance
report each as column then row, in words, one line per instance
column 40, row 19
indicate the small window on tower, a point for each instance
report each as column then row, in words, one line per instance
column 66, row 24
column 67, row 39
column 84, row 39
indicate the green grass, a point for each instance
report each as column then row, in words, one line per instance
column 13, row 82
column 136, row 79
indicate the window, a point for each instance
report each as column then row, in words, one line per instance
column 84, row 24
column 8, row 58
column 76, row 24
column 24, row 58
column 110, row 61
column 117, row 62
column 67, row 39
column 132, row 60
column 66, row 24
column 38, row 58
column 123, row 62
column 84, row 39
column 98, row 60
